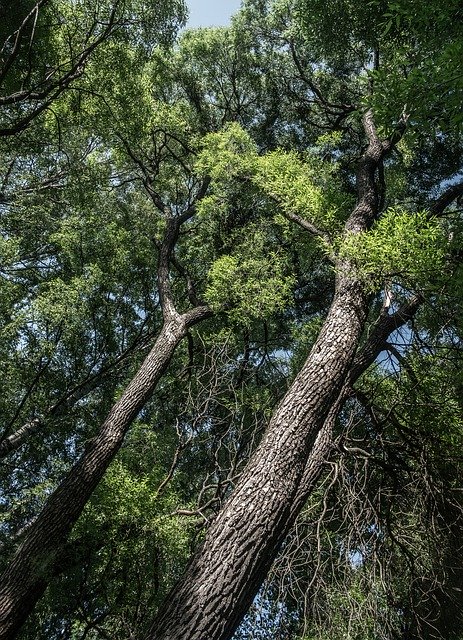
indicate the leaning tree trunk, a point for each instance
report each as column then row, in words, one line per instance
column 226, row 572
column 28, row 574
column 35, row 561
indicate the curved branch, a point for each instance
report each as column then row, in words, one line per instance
column 367, row 208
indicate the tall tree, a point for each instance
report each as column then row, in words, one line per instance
column 228, row 568
column 320, row 190
column 50, row 305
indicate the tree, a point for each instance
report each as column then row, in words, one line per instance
column 173, row 330
column 47, row 45
column 225, row 573
column 248, row 192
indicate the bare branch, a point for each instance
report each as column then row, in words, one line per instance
column 306, row 225
column 450, row 195
column 19, row 437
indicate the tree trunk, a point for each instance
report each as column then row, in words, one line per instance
column 32, row 567
column 225, row 574
column 233, row 561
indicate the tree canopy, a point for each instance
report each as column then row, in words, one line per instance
column 230, row 320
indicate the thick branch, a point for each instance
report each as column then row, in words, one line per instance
column 19, row 437
column 374, row 345
column 367, row 208
column 382, row 329
column 446, row 199
column 166, row 252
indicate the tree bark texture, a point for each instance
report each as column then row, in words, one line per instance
column 385, row 324
column 32, row 567
column 226, row 573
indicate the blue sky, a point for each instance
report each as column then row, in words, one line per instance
column 211, row 13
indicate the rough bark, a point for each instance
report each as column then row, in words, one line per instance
column 240, row 546
column 21, row 435
column 28, row 574
column 447, row 197
column 386, row 324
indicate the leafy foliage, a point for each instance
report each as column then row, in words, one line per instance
column 251, row 136
column 411, row 247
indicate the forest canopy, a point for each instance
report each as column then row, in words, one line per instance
column 230, row 310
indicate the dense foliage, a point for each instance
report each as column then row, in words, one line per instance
column 144, row 179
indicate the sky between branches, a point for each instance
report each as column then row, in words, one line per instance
column 208, row 13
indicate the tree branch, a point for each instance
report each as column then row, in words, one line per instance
column 452, row 193
column 54, row 89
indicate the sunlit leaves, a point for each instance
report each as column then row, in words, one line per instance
column 231, row 153
column 409, row 246
column 307, row 187
column 251, row 283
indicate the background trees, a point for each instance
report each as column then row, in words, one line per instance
column 287, row 187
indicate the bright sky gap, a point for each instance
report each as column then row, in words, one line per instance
column 211, row 13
